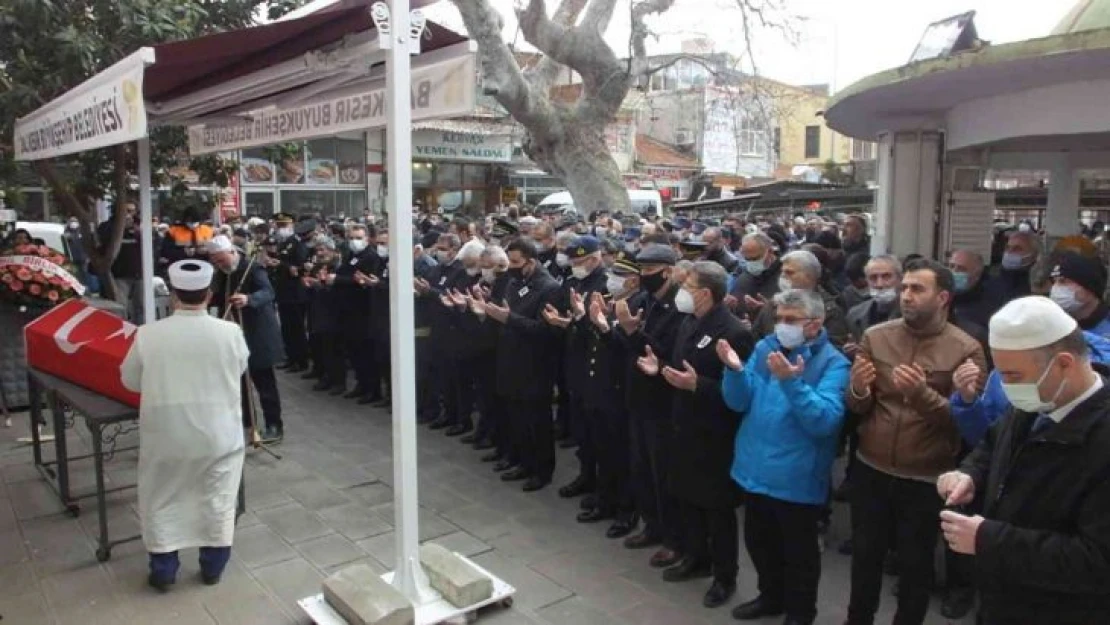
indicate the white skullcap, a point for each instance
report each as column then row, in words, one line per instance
column 751, row 229
column 528, row 220
column 220, row 243
column 255, row 221
column 1029, row 323
column 801, row 221
column 190, row 275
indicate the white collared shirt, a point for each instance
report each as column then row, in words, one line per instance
column 1063, row 411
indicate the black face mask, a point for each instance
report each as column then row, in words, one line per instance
column 515, row 273
column 652, row 283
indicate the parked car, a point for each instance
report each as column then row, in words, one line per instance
column 645, row 202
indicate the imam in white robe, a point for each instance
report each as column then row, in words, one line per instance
column 191, row 448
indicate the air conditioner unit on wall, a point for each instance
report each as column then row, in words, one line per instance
column 684, row 137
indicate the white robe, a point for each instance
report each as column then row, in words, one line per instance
column 191, row 446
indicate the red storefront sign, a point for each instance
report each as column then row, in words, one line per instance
column 83, row 345
column 229, row 203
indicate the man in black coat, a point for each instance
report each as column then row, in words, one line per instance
column 450, row 274
column 242, row 293
column 352, row 282
column 1040, row 480
column 525, row 375
column 493, row 430
column 704, row 428
column 976, row 299
column 292, row 300
column 324, row 331
column 758, row 280
column 587, row 277
column 649, row 399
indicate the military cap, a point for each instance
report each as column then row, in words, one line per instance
column 632, row 234
column 698, row 227
column 283, row 218
column 583, row 246
column 305, row 226
column 625, row 264
column 657, row 254
column 682, row 223
column 503, row 227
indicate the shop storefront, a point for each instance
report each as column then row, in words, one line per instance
column 324, row 176
column 459, row 165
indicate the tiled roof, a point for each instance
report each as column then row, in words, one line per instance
column 652, row 152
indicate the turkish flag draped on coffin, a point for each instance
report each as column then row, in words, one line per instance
column 83, row 345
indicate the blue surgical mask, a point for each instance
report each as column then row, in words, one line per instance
column 1065, row 298
column 789, row 335
column 755, row 267
column 961, row 279
column 1013, row 260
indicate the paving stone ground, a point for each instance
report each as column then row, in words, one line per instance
column 328, row 504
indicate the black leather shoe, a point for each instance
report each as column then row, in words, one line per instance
column 440, row 423
column 719, row 594
column 589, row 502
column 621, row 527
column 483, row 445
column 469, row 439
column 664, row 558
column 458, row 429
column 161, row 585
column 492, row 457
column 355, row 393
column 516, row 475
column 957, row 603
column 210, row 580
column 686, row 570
column 643, row 540
column 503, row 465
column 534, row 483
column 756, row 609
column 593, row 516
column 580, row 486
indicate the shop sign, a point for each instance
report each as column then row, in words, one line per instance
column 105, row 110
column 445, row 89
column 509, row 195
column 462, row 146
column 229, row 202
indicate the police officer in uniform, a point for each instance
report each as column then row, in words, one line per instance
column 587, row 277
column 292, row 254
column 604, row 399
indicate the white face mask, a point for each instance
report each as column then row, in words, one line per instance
column 357, row 245
column 755, row 267
column 684, row 301
column 562, row 259
column 383, row 251
column 790, row 335
column 283, row 233
column 1065, row 298
column 473, row 271
column 580, row 272
column 785, row 284
column 1026, row 396
column 884, row 296
column 615, row 285
column 444, row 257
column 489, row 275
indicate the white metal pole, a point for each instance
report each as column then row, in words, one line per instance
column 408, row 576
column 146, row 229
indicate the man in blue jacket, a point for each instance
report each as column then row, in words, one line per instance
column 791, row 396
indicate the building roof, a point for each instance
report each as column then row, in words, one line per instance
column 1085, row 15
column 653, row 153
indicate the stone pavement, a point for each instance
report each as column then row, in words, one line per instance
column 328, row 504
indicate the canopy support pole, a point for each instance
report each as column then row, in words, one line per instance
column 408, row 575
column 146, row 228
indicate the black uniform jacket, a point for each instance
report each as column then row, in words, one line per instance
column 527, row 346
column 1043, row 553
column 704, row 427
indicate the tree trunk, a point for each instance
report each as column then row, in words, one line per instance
column 577, row 153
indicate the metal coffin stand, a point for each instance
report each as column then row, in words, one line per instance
column 100, row 414
column 436, row 611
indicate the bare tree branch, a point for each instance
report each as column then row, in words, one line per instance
column 547, row 69
column 500, row 73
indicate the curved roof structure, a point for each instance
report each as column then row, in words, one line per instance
column 1085, row 15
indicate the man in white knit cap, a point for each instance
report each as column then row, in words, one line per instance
column 1040, row 480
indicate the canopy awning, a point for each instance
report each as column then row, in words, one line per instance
column 263, row 77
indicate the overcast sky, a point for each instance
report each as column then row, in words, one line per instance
column 840, row 41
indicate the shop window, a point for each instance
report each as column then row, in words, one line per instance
column 422, row 174
column 351, row 158
column 322, row 166
column 475, row 175
column 448, row 175
column 300, row 202
column 813, row 142
column 255, row 167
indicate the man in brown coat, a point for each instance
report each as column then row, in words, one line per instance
column 901, row 381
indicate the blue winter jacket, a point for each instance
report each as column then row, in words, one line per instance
column 974, row 419
column 788, row 436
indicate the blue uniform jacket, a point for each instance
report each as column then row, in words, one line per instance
column 974, row 419
column 788, row 436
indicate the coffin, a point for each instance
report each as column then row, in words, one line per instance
column 83, row 345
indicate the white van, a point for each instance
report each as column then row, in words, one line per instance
column 645, row 202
